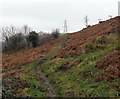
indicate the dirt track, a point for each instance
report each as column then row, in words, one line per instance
column 45, row 82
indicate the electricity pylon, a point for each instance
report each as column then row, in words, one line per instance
column 65, row 27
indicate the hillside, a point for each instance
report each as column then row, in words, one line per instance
column 88, row 35
column 81, row 64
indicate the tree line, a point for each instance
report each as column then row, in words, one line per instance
column 15, row 39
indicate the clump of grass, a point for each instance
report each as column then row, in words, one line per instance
column 67, row 55
column 100, row 44
column 89, row 48
column 93, row 47
column 102, row 40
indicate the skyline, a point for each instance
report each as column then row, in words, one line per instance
column 46, row 15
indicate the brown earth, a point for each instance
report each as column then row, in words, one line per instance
column 88, row 35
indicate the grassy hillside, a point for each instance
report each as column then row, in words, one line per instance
column 77, row 76
column 76, row 65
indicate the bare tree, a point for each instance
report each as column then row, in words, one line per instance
column 13, row 38
column 86, row 20
column 8, row 32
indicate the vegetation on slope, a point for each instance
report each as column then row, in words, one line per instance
column 86, row 67
column 70, row 76
column 76, row 76
column 24, row 83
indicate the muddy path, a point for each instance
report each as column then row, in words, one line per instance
column 45, row 82
column 41, row 76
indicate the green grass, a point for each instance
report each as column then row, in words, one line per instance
column 72, row 82
column 33, row 88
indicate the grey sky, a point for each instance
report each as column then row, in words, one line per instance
column 46, row 15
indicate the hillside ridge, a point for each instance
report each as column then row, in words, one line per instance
column 76, row 40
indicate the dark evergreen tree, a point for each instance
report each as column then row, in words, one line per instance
column 33, row 38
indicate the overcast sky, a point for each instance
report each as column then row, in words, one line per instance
column 45, row 15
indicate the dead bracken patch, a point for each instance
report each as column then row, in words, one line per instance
column 109, row 67
column 27, row 56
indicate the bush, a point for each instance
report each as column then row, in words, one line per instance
column 66, row 55
column 102, row 40
column 14, row 43
column 55, row 33
column 93, row 47
column 14, row 39
column 33, row 38
column 89, row 48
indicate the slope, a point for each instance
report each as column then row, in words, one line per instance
column 81, row 64
column 76, row 40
